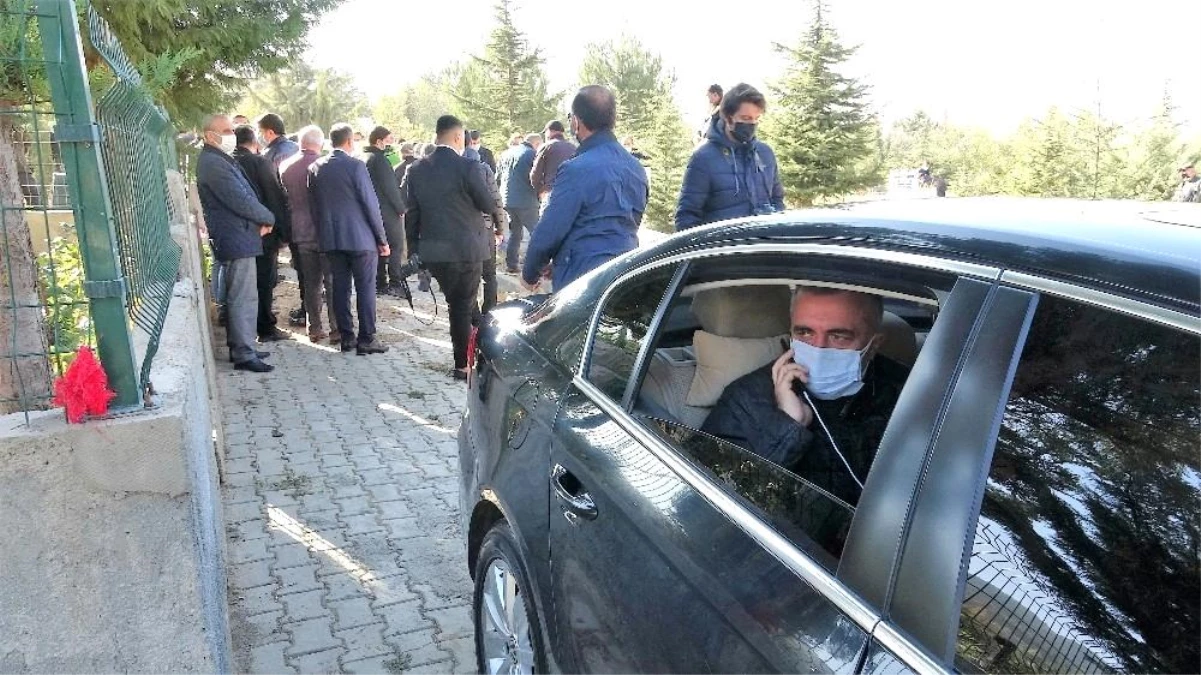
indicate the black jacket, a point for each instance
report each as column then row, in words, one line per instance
column 446, row 199
column 488, row 158
column 403, row 168
column 270, row 191
column 747, row 415
column 387, row 188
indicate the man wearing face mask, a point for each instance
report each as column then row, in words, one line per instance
column 732, row 174
column 821, row 408
column 237, row 222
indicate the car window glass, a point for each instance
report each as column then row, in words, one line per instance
column 623, row 327
column 1085, row 555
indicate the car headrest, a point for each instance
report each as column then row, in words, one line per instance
column 900, row 341
column 744, row 311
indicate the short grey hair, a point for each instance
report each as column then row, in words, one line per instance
column 533, row 138
column 872, row 305
column 311, row 136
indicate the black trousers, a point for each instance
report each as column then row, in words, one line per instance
column 295, row 251
column 267, row 267
column 460, row 282
column 359, row 267
column 489, row 279
column 388, row 273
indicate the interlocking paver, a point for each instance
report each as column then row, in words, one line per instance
column 341, row 514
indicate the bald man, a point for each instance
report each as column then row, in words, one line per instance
column 237, row 222
column 830, row 375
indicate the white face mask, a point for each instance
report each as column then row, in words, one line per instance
column 833, row 373
column 229, row 143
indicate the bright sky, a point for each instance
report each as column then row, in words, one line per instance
column 970, row 62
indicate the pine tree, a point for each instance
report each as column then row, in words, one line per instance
column 1154, row 156
column 505, row 91
column 303, row 95
column 821, row 128
column 667, row 145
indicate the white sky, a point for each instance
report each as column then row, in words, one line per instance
column 990, row 64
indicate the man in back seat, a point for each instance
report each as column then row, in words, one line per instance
column 830, row 374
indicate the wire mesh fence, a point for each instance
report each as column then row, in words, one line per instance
column 85, row 249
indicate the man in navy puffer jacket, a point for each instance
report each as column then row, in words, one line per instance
column 731, row 174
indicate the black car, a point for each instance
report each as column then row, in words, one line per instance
column 1034, row 503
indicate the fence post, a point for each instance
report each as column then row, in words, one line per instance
column 79, row 137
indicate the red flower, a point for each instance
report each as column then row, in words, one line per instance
column 83, row 389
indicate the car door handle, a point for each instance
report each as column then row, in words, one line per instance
column 574, row 500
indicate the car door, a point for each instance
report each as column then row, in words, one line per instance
column 656, row 566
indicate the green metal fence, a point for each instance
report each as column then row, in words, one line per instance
column 85, row 246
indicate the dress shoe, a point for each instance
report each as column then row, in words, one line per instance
column 348, row 347
column 373, row 347
column 275, row 336
column 257, row 354
column 255, row 366
column 297, row 317
column 318, row 336
column 335, row 338
column 458, row 374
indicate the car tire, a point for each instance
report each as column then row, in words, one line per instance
column 508, row 630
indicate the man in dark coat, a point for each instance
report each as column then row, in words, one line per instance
column 475, row 141
column 351, row 235
column 731, row 174
column 312, row 267
column 496, row 222
column 831, row 380
column 237, row 222
column 276, row 145
column 392, row 208
column 446, row 197
column 520, row 200
column 408, row 155
column 596, row 207
column 556, row 150
column 264, row 178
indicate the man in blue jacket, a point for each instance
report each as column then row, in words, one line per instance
column 596, row 206
column 350, row 232
column 521, row 202
column 731, row 174
column 237, row 223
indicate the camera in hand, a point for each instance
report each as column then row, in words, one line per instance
column 410, row 267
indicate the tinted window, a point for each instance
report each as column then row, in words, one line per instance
column 1086, row 551
column 623, row 326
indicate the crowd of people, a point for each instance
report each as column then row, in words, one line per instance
column 368, row 213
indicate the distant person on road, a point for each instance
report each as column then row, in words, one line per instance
column 392, row 208
column 940, row 186
column 1190, row 185
column 445, row 196
column 312, row 268
column 520, row 200
column 732, row 174
column 715, row 95
column 264, row 178
column 596, row 206
column 237, row 222
column 351, row 234
column 549, row 158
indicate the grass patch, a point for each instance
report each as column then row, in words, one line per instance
column 399, row 663
column 293, row 484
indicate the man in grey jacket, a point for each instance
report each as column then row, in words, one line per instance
column 237, row 222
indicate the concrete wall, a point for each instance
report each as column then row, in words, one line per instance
column 113, row 556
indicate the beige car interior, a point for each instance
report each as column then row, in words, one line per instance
column 752, row 318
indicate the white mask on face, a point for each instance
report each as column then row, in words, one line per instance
column 833, row 373
column 229, row 143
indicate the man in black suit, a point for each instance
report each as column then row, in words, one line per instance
column 446, row 198
column 264, row 178
column 387, row 190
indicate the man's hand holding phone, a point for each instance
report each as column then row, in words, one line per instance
column 784, row 372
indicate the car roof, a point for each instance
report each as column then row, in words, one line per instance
column 1144, row 251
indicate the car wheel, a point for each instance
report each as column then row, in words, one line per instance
column 508, row 638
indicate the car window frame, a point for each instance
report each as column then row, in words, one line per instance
column 898, row 639
column 842, row 596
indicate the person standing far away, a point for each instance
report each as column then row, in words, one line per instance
column 715, row 95
column 596, row 207
column 351, row 234
column 264, row 178
column 520, row 200
column 475, row 140
column 237, row 222
column 1190, row 185
column 277, row 147
column 732, row 174
column 311, row 265
column 239, row 120
column 387, row 191
column 495, row 221
column 445, row 196
column 408, row 155
column 550, row 156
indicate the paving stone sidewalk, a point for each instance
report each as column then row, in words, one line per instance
column 341, row 504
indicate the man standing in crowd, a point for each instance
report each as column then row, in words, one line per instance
column 1190, row 184
column 240, row 119
column 715, row 96
column 276, row 145
column 446, row 195
column 475, row 141
column 594, row 211
column 387, row 191
column 311, row 266
column 351, row 232
column 265, row 180
column 408, row 155
column 731, row 174
column 550, row 156
column 494, row 221
column 520, row 200
column 237, row 223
